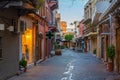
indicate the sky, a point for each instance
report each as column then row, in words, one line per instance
column 71, row 10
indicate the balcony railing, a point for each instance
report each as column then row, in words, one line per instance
column 53, row 4
column 90, row 29
column 53, row 0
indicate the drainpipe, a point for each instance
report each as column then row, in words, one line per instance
column 110, row 16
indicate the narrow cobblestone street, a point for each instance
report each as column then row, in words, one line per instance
column 72, row 65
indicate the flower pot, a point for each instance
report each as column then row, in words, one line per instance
column 58, row 52
column 25, row 69
column 110, row 66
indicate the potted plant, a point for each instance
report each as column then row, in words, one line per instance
column 94, row 51
column 57, row 49
column 110, row 54
column 23, row 63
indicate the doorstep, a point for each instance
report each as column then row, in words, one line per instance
column 39, row 61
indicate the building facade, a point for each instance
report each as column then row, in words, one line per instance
column 80, row 37
column 109, row 30
column 63, row 25
column 46, row 24
column 106, row 19
column 9, row 47
column 89, row 29
column 23, row 33
column 12, row 27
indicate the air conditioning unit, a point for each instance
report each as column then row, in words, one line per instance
column 38, row 12
column 10, row 28
column 44, row 17
column 13, row 27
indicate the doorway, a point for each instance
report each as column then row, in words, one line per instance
column 118, row 49
column 102, row 48
column 27, row 45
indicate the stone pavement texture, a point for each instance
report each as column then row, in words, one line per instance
column 71, row 65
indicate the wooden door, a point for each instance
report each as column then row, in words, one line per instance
column 40, row 49
column 118, row 49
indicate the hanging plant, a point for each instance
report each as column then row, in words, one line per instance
column 39, row 3
column 90, row 24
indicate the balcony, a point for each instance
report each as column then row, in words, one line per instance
column 53, row 0
column 7, row 4
column 113, row 4
column 17, row 4
column 90, row 30
column 52, row 26
column 86, row 21
column 53, row 4
column 100, row 7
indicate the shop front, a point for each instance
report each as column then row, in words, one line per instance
column 27, row 48
column 28, row 39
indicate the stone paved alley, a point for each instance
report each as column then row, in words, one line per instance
column 72, row 65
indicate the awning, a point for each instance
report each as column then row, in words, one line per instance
column 80, row 38
column 91, row 34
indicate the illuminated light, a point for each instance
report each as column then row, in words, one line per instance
column 27, row 36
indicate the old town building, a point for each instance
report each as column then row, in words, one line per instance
column 106, row 19
column 23, row 33
column 48, row 13
column 63, row 25
column 109, row 30
column 14, row 25
column 89, row 29
column 80, row 36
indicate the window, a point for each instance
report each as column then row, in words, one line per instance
column 0, row 48
column 0, row 53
